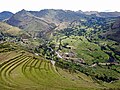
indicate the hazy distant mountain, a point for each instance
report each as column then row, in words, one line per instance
column 103, row 14
column 5, row 15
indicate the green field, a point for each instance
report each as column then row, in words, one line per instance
column 89, row 52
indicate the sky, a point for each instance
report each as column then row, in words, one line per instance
column 74, row 5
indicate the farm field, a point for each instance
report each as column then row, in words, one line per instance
column 82, row 48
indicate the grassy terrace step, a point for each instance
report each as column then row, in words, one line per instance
column 30, row 63
column 34, row 64
column 43, row 75
column 10, row 70
column 33, row 73
column 26, row 70
column 6, row 69
column 53, row 75
column 17, row 69
column 39, row 72
column 4, row 66
column 53, row 69
column 10, row 60
column 38, row 63
column 7, row 63
column 22, row 70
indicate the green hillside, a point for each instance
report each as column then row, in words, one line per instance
column 21, row 70
column 8, row 29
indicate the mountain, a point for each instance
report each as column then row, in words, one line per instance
column 57, row 16
column 5, row 15
column 110, row 14
column 44, row 21
column 48, row 16
column 102, row 14
column 40, row 23
column 29, row 22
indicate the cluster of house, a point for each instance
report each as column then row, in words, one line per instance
column 70, row 56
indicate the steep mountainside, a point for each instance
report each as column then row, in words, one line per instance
column 40, row 23
column 58, row 16
column 5, row 15
column 27, row 21
column 114, row 32
column 52, row 17
column 46, row 19
column 8, row 29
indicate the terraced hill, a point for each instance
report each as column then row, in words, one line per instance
column 22, row 70
column 25, row 72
